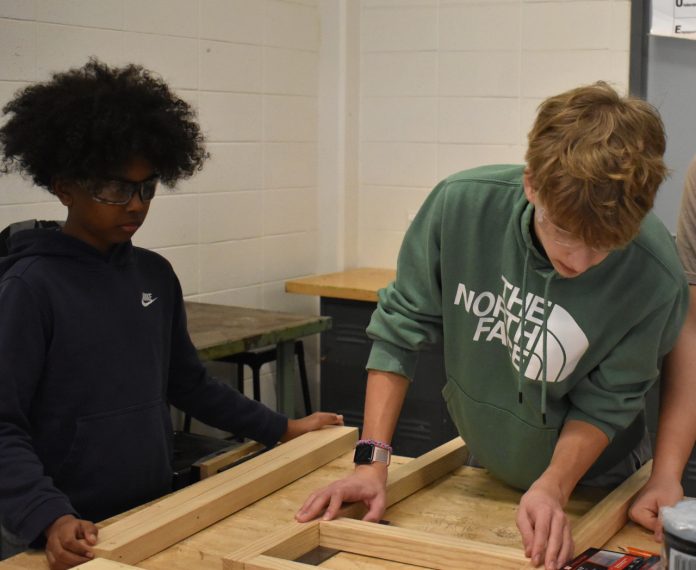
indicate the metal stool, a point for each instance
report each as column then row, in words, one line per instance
column 255, row 360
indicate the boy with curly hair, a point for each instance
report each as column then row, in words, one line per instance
column 88, row 368
column 557, row 295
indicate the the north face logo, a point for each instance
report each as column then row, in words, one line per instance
column 565, row 345
column 499, row 318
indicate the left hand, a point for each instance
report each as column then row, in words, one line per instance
column 655, row 494
column 544, row 527
column 315, row 421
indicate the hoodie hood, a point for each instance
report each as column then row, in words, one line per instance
column 50, row 241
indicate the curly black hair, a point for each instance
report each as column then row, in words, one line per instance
column 91, row 121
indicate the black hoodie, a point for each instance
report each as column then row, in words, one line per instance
column 93, row 349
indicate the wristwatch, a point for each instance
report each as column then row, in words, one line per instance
column 367, row 453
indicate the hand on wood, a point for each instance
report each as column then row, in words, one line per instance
column 315, row 421
column 367, row 484
column 544, row 527
column 69, row 541
column 646, row 508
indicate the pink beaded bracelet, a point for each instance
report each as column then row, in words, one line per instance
column 380, row 444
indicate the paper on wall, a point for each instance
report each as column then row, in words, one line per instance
column 674, row 18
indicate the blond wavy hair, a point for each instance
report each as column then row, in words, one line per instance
column 595, row 162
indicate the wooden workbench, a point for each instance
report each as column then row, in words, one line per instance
column 359, row 284
column 466, row 503
column 218, row 331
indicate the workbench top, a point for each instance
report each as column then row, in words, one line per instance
column 359, row 284
column 223, row 330
column 467, row 503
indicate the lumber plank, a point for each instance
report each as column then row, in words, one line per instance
column 152, row 529
column 609, row 516
column 417, row 547
column 187, row 494
column 211, row 466
column 294, row 448
column 416, row 474
column 402, row 482
column 104, row 564
column 289, row 542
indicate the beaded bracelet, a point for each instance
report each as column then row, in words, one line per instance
column 380, row 444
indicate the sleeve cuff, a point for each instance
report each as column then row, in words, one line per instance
column 388, row 357
column 40, row 518
column 608, row 429
column 275, row 428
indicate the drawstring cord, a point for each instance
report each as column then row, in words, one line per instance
column 523, row 363
column 544, row 332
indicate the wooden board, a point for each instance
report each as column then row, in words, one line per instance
column 388, row 543
column 416, row 547
column 611, row 514
column 416, row 474
column 182, row 514
column 104, row 564
column 403, row 481
column 356, row 284
column 212, row 465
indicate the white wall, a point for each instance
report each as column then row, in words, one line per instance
column 451, row 84
column 248, row 221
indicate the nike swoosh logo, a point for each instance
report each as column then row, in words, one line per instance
column 148, row 302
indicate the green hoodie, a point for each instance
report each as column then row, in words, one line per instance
column 466, row 263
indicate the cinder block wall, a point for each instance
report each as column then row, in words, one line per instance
column 447, row 85
column 247, row 222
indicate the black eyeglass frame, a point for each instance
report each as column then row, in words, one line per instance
column 145, row 188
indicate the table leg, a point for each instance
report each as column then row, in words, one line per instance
column 285, row 378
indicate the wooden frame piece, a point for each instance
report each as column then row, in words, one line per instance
column 403, row 481
column 416, row 474
column 277, row 551
column 610, row 515
column 104, row 564
column 403, row 545
column 213, row 464
column 178, row 516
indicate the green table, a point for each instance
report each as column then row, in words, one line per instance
column 218, row 331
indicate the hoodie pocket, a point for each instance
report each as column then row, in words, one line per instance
column 118, row 459
column 510, row 448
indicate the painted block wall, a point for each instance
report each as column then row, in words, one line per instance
column 246, row 223
column 447, row 85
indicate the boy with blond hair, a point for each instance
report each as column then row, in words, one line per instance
column 556, row 293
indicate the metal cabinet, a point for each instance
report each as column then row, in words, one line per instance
column 424, row 422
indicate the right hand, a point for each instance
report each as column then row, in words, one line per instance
column 544, row 527
column 69, row 541
column 367, row 484
column 655, row 494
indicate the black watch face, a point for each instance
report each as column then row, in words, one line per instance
column 363, row 453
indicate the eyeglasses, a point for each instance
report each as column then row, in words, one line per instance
column 560, row 236
column 117, row 191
